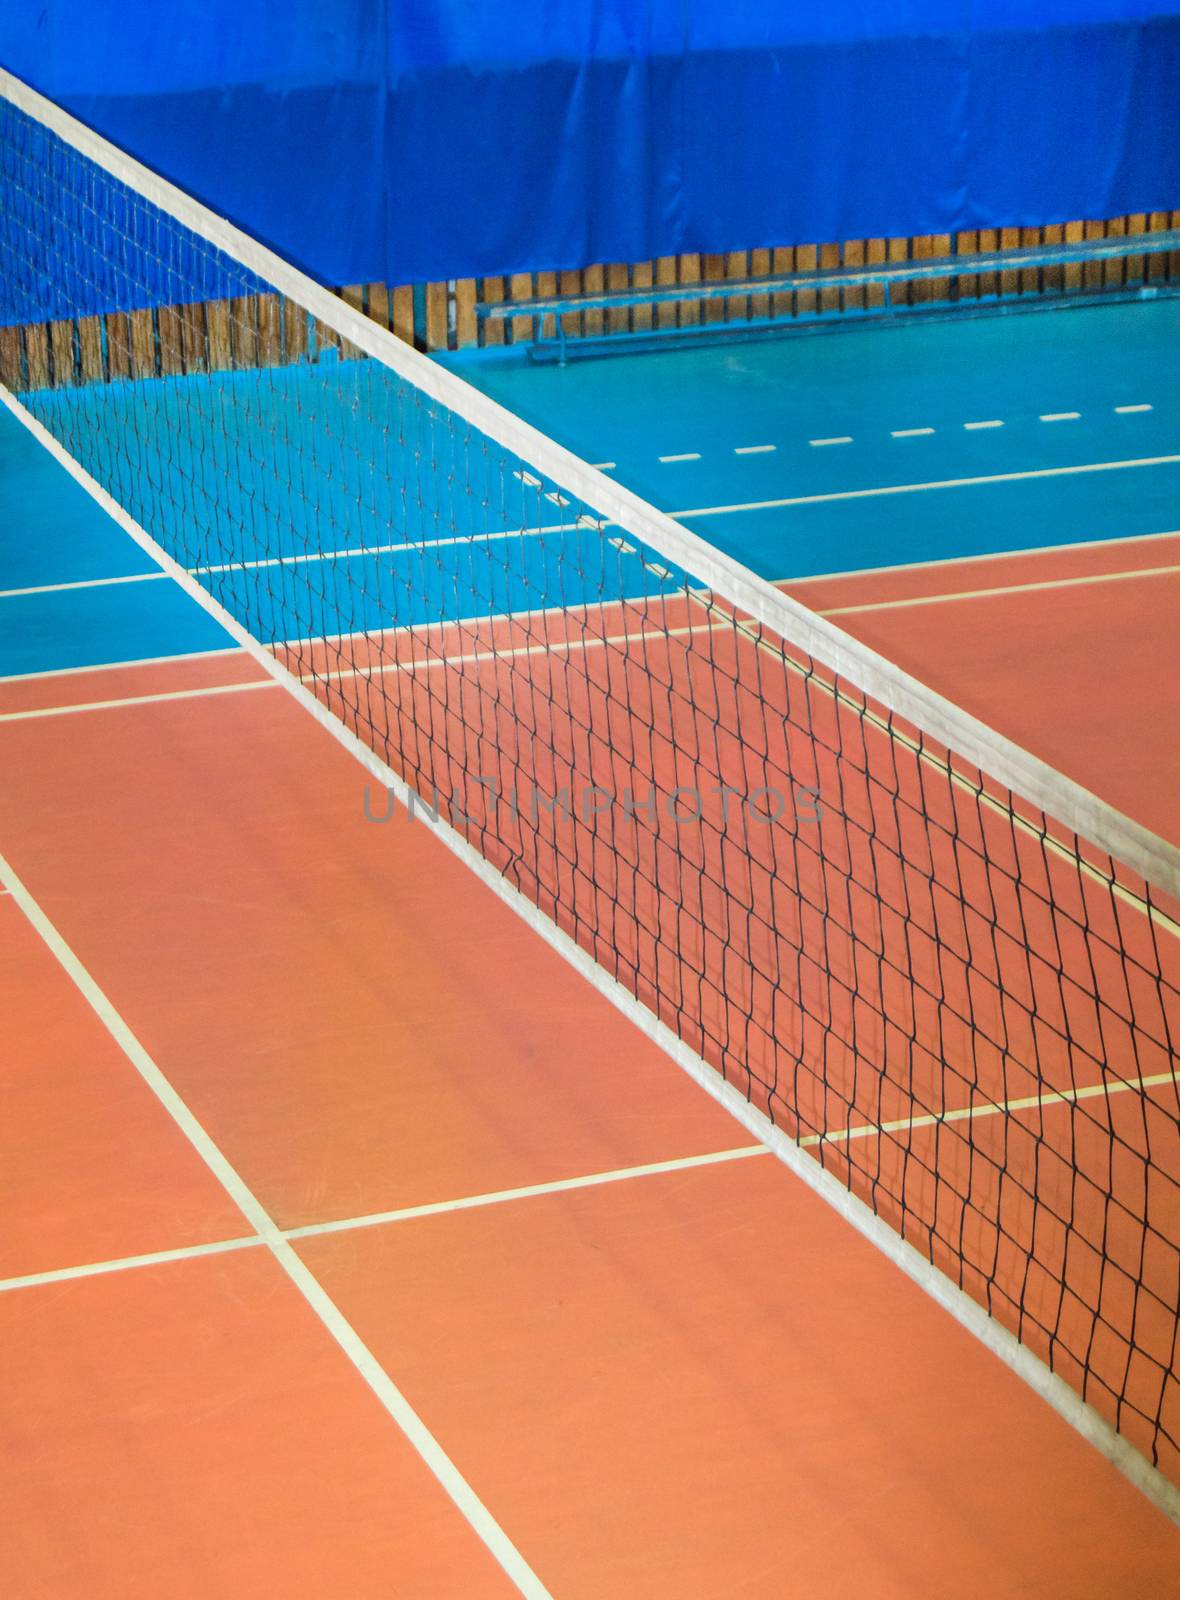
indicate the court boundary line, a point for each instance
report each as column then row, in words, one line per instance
column 530, row 1191
column 997, row 592
column 115, row 666
column 380, row 1383
column 80, row 583
column 117, row 1264
column 38, row 712
column 400, row 547
column 500, row 535
column 780, row 584
column 967, row 1312
column 1044, row 1101
column 821, row 611
column 492, row 653
column 1069, row 546
column 776, row 583
column 478, row 657
column 975, row 481
column 347, row 553
column 1025, row 774
column 1049, row 1099
column 311, row 1230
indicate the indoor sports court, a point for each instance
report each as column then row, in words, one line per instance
column 589, row 855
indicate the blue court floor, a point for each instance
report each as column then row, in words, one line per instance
column 849, row 451
column 863, row 448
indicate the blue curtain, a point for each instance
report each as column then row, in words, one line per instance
column 410, row 140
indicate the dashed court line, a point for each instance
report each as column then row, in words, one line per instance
column 984, row 424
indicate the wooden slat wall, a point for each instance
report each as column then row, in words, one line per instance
column 466, row 328
column 265, row 330
column 11, row 358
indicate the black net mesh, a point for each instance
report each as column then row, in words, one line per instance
column 967, row 1013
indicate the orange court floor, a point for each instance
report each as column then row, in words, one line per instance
column 355, row 1247
column 1073, row 652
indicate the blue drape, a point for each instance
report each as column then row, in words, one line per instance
column 410, row 140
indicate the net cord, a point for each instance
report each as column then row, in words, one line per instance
column 999, row 758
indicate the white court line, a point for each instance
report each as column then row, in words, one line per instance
column 604, row 466
column 1000, row 589
column 586, row 607
column 99, row 1269
column 921, row 488
column 593, row 1180
column 1060, row 416
column 472, row 658
column 687, row 455
column 754, row 449
column 992, row 422
column 119, row 666
column 843, row 438
column 82, row 583
column 1127, row 411
column 988, row 1108
column 373, row 1219
column 267, row 1230
column 497, row 1197
column 344, row 553
column 137, row 700
column 405, row 546
column 910, row 433
column 986, row 555
column 499, row 535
